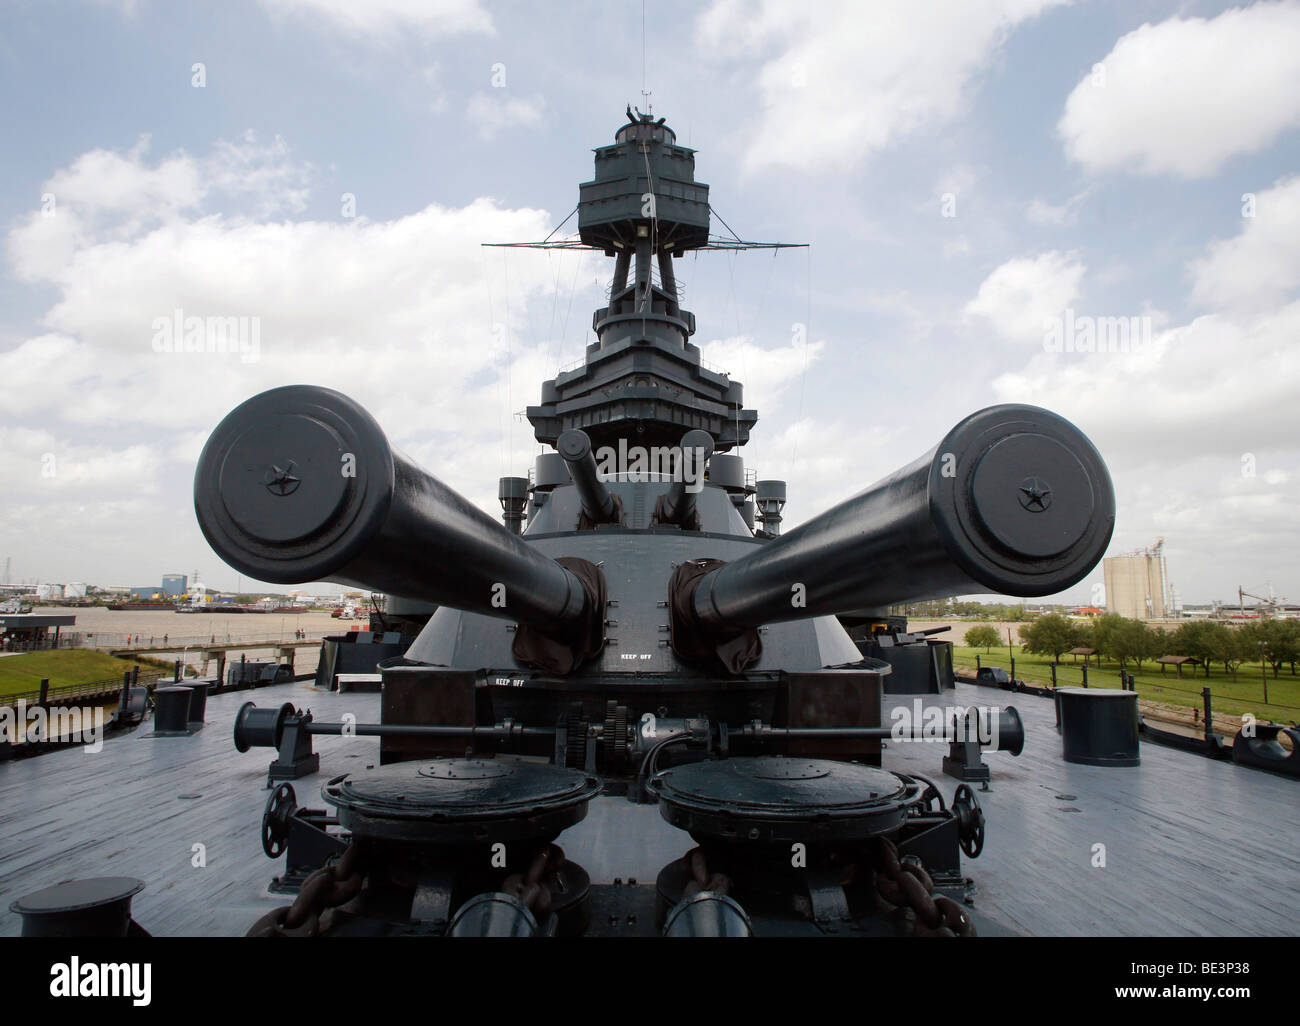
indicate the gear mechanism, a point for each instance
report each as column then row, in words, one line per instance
column 575, row 727
column 614, row 739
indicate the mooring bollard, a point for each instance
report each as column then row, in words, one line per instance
column 172, row 712
column 97, row 907
column 1085, row 675
column 1100, row 729
column 198, row 701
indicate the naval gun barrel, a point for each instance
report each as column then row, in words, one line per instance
column 678, row 506
column 1014, row 500
column 300, row 484
column 599, row 506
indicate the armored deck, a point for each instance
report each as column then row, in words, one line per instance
column 1193, row 847
column 642, row 712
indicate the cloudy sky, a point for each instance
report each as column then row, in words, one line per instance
column 966, row 173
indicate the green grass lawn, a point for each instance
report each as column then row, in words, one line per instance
column 19, row 673
column 1246, row 695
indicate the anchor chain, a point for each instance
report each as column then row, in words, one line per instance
column 530, row 887
column 906, row 886
column 312, row 911
column 902, row 886
column 701, row 879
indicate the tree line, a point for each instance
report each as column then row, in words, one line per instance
column 937, row 609
column 1117, row 638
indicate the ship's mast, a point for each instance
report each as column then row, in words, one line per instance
column 642, row 379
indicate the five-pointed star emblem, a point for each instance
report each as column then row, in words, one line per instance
column 1035, row 494
column 281, row 480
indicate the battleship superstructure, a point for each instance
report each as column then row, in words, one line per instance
column 639, row 635
column 637, row 662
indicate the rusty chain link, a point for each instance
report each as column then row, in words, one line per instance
column 701, row 878
column 901, row 885
column 530, row 887
column 906, row 886
column 312, row 911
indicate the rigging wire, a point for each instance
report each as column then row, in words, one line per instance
column 492, row 320
column 644, row 302
column 552, row 343
column 561, row 224
column 510, row 401
column 807, row 341
column 564, row 328
column 724, row 223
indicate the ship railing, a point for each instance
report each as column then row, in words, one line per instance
column 678, row 291
column 1073, row 675
column 105, row 689
column 637, row 476
column 179, row 642
column 581, row 362
column 47, row 644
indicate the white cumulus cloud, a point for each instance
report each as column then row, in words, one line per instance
column 1019, row 296
column 1184, row 96
column 491, row 114
column 386, row 17
column 765, row 373
column 407, row 315
column 1260, row 265
column 842, row 79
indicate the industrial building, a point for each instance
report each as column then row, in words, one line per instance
column 1137, row 584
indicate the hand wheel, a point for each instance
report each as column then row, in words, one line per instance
column 280, row 808
column 970, row 819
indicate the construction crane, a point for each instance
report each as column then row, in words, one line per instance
column 1269, row 606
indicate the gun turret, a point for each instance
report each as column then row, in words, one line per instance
column 598, row 506
column 678, row 504
column 300, row 484
column 1013, row 500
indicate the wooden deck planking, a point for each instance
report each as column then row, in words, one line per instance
column 1193, row 847
column 69, row 814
